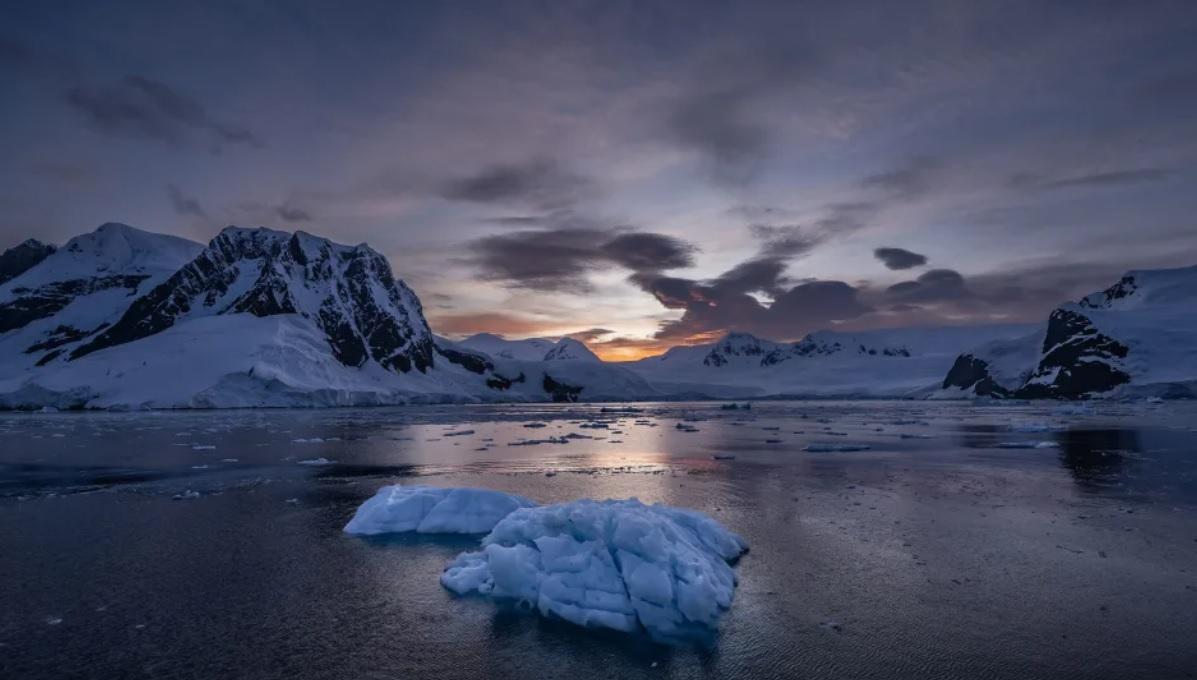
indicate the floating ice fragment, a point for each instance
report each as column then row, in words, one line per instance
column 1026, row 445
column 608, row 564
column 316, row 461
column 433, row 510
column 835, row 448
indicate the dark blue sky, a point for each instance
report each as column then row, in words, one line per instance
column 655, row 172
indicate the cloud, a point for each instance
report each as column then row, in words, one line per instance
column 291, row 213
column 539, row 183
column 487, row 322
column 141, row 107
column 899, row 258
column 561, row 259
column 641, row 251
column 913, row 179
column 719, row 126
column 590, row 335
column 184, row 205
column 936, row 285
column 1113, row 178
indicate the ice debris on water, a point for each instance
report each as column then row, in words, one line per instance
column 316, row 461
column 1027, row 445
column 612, row 564
column 835, row 448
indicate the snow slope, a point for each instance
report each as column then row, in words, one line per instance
column 80, row 289
column 904, row 362
column 568, row 349
column 498, row 347
column 608, row 564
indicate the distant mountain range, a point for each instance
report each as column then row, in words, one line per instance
column 122, row 318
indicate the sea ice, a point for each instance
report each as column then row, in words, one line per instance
column 1027, row 445
column 835, row 448
column 611, row 564
column 433, row 510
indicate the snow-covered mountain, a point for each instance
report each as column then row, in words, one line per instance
column 124, row 318
column 70, row 294
column 568, row 349
column 892, row 362
column 529, row 349
column 1138, row 336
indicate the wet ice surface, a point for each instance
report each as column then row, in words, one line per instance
column 957, row 544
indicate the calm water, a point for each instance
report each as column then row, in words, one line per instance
column 207, row 545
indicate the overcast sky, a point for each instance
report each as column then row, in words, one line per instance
column 641, row 174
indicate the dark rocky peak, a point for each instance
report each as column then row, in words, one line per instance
column 23, row 257
column 737, row 344
column 1078, row 360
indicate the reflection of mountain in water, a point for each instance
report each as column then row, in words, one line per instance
column 1098, row 459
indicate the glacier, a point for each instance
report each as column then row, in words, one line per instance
column 617, row 564
column 433, row 510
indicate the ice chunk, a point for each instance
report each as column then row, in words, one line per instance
column 834, row 448
column 433, row 510
column 1047, row 444
column 610, row 564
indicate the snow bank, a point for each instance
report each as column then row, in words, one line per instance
column 610, row 564
column 431, row 510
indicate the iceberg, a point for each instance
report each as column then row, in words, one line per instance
column 616, row 564
column 433, row 510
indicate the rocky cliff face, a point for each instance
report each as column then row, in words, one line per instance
column 348, row 292
column 23, row 257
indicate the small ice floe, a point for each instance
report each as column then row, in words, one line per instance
column 772, row 441
column 316, row 461
column 682, row 427
column 459, row 433
column 433, row 510
column 594, row 425
column 53, row 620
column 616, row 564
column 292, row 501
column 1035, row 427
column 535, row 426
column 307, row 440
column 187, row 495
column 723, row 456
column 537, row 442
column 835, row 448
column 203, row 447
column 909, row 435
column 200, row 467
column 1026, row 445
column 773, row 428
column 229, row 460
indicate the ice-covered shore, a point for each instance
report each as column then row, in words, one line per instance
column 612, row 564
